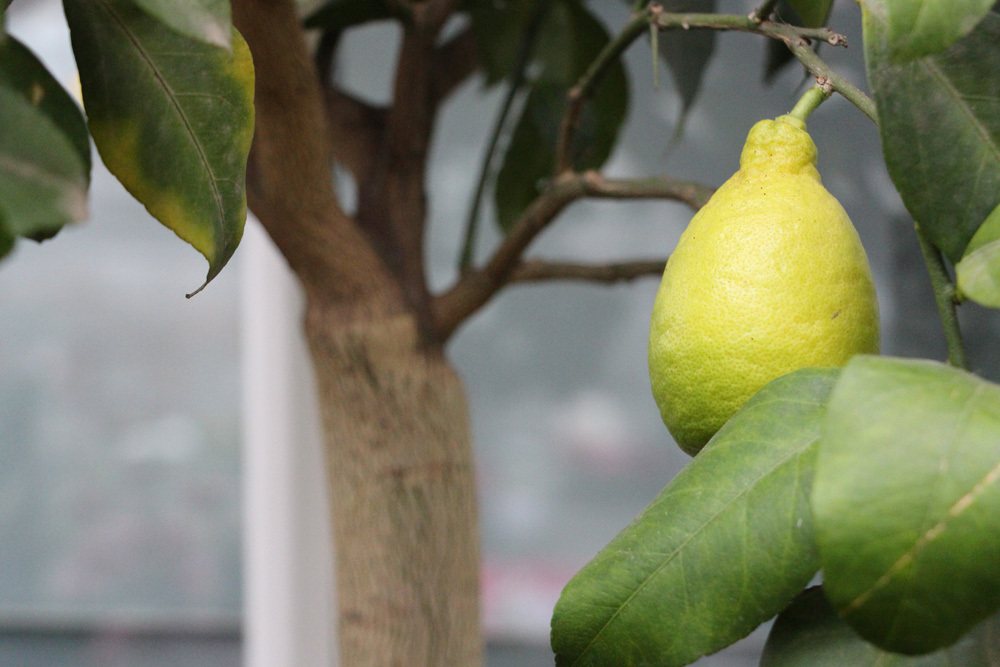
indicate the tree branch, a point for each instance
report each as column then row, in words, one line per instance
column 289, row 184
column 797, row 39
column 540, row 270
column 356, row 130
column 454, row 62
column 476, row 287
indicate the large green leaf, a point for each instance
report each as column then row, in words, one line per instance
column 172, row 118
column 906, row 501
column 725, row 546
column 572, row 39
column 979, row 271
column 43, row 180
column 207, row 21
column 917, row 28
column 810, row 634
column 21, row 72
column 940, row 124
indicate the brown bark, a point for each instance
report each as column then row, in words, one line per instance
column 402, row 494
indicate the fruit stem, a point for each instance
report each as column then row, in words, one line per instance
column 944, row 297
column 809, row 102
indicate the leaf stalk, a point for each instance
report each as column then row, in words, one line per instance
column 944, row 298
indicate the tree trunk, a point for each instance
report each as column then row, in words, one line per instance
column 398, row 451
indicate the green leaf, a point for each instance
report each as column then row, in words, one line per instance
column 687, row 52
column 43, row 181
column 940, row 126
column 906, row 501
column 979, row 271
column 499, row 26
column 915, row 29
column 725, row 546
column 21, row 72
column 810, row 634
column 339, row 15
column 572, row 39
column 6, row 240
column 172, row 118
column 207, row 21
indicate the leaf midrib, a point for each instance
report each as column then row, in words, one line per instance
column 930, row 534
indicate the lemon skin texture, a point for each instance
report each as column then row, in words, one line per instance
column 769, row 277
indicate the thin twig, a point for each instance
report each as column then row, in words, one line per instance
column 516, row 80
column 796, row 38
column 542, row 270
column 476, row 287
column 763, row 12
column 944, row 297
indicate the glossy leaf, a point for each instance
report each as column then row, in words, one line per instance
column 43, row 181
column 208, row 21
column 172, row 118
column 979, row 271
column 21, row 72
column 810, row 634
column 924, row 27
column 906, row 501
column 339, row 15
column 940, row 126
column 573, row 38
column 725, row 546
column 687, row 52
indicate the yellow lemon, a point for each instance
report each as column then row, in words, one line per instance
column 769, row 277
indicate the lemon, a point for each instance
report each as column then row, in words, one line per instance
column 769, row 277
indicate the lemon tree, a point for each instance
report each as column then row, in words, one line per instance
column 811, row 453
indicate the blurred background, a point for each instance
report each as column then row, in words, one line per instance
column 147, row 516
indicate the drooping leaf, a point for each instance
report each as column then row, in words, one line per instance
column 339, row 15
column 43, row 181
column 687, row 52
column 906, row 501
column 810, row 634
column 172, row 118
column 940, row 126
column 979, row 271
column 573, row 38
column 21, row 72
column 921, row 28
column 208, row 21
column 725, row 546
column 808, row 13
